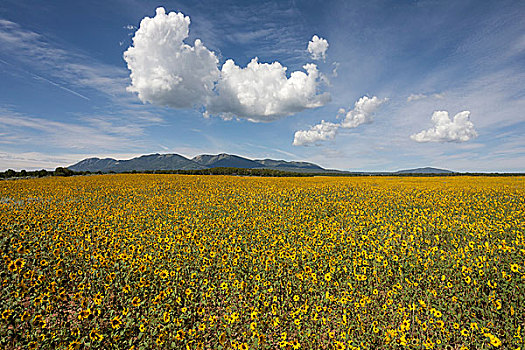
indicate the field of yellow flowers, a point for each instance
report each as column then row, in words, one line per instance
column 220, row 262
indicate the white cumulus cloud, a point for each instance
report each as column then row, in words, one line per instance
column 262, row 92
column 362, row 113
column 317, row 48
column 320, row 132
column 167, row 71
column 460, row 129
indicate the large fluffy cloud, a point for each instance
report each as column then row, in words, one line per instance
column 167, row 71
column 460, row 129
column 262, row 92
column 362, row 113
column 317, row 48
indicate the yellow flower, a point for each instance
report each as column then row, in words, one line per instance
column 95, row 335
column 494, row 341
column 19, row 263
column 116, row 322
column 84, row 314
column 7, row 313
column 180, row 334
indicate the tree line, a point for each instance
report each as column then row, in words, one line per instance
column 61, row 171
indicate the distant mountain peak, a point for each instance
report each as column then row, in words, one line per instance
column 425, row 170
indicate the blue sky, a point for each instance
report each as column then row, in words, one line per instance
column 373, row 103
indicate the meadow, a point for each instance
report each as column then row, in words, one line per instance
column 223, row 262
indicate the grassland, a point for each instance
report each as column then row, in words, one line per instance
column 216, row 262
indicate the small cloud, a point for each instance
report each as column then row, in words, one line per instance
column 130, row 27
column 460, row 129
column 320, row 132
column 362, row 113
column 416, row 97
column 317, row 48
column 334, row 71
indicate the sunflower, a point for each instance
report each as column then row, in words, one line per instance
column 328, row 277
column 160, row 339
column 7, row 313
column 11, row 266
column 84, row 314
column 180, row 334
column 39, row 321
column 295, row 344
column 135, row 302
column 95, row 335
column 494, row 341
column 116, row 322
column 19, row 263
column 339, row 345
column 25, row 316
column 97, row 298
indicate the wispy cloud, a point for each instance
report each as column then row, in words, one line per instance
column 69, row 70
column 97, row 135
column 416, row 97
column 39, row 160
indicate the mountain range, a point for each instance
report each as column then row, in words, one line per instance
column 207, row 161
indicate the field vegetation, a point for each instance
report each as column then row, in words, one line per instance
column 140, row 261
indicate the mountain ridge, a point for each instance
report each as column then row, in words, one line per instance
column 173, row 161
